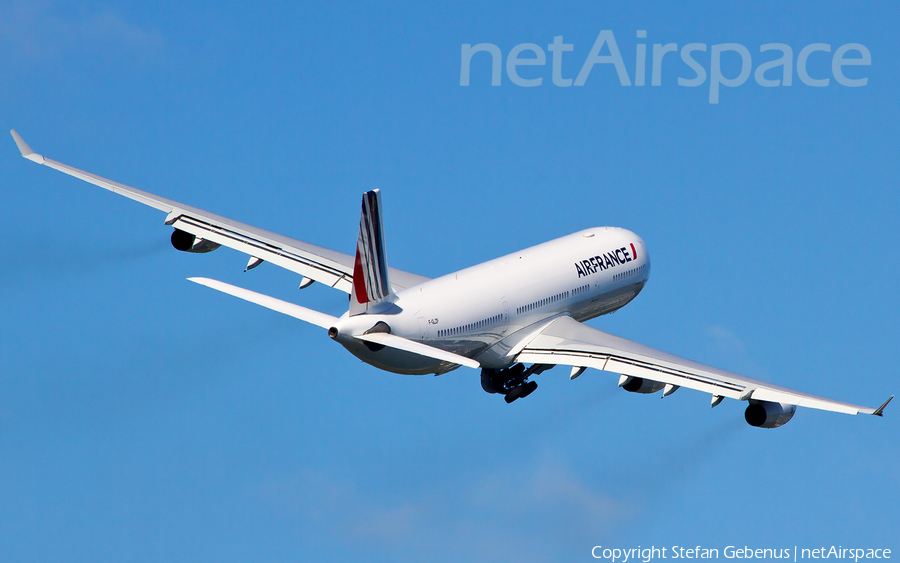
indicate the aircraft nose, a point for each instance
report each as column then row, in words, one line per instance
column 646, row 258
column 639, row 252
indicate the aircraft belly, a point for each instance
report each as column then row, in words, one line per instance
column 398, row 361
column 607, row 303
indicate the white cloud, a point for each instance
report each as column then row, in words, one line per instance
column 726, row 339
column 37, row 30
column 512, row 513
column 734, row 352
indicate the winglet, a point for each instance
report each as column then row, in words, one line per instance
column 25, row 149
column 880, row 410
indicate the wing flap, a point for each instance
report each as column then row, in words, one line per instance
column 568, row 342
column 315, row 267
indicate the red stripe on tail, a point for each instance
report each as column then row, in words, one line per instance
column 359, row 280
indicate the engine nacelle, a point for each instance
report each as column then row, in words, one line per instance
column 639, row 384
column 186, row 242
column 766, row 414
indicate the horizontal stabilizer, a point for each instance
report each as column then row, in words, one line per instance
column 407, row 345
column 290, row 309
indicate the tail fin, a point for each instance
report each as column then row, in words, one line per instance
column 370, row 271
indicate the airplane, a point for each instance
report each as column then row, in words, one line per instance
column 513, row 317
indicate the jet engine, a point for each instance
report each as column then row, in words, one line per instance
column 639, row 384
column 766, row 414
column 186, row 242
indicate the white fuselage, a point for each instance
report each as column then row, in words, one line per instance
column 483, row 311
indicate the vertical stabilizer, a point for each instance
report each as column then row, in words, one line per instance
column 370, row 271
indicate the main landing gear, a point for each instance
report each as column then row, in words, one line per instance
column 512, row 381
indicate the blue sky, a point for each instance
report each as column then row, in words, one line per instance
column 144, row 418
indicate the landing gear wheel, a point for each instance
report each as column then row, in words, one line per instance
column 515, row 393
column 528, row 389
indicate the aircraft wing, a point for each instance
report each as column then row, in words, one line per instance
column 568, row 342
column 326, row 266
